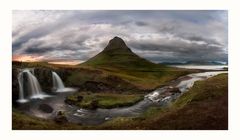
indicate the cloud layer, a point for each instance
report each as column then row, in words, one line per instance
column 155, row 35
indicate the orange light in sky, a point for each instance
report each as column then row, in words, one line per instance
column 35, row 58
column 26, row 58
column 72, row 62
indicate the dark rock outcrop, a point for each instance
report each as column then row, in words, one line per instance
column 44, row 77
column 15, row 86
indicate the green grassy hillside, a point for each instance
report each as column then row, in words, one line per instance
column 205, row 106
column 117, row 59
column 118, row 55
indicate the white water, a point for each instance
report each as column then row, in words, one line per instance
column 21, row 93
column 183, row 86
column 187, row 84
column 33, row 87
column 58, row 85
column 154, row 96
column 57, row 82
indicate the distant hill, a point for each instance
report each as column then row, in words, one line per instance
column 117, row 54
column 195, row 63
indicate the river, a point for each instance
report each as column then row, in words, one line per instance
column 159, row 97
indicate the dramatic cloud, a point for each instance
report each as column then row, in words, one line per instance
column 155, row 35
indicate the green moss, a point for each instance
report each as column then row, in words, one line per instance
column 104, row 100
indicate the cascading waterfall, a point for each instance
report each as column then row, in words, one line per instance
column 58, row 85
column 21, row 93
column 57, row 82
column 33, row 87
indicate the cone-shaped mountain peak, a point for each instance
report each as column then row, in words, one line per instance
column 116, row 43
column 117, row 54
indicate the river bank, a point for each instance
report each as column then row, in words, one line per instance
column 159, row 97
column 204, row 106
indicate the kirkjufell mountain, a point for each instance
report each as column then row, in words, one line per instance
column 118, row 54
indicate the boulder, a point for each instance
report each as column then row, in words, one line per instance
column 79, row 98
column 45, row 108
column 60, row 117
column 94, row 105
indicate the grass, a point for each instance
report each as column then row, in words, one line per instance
column 143, row 78
column 136, row 71
column 17, row 64
column 132, row 68
column 205, row 106
column 22, row 121
column 148, row 78
column 104, row 100
column 205, row 91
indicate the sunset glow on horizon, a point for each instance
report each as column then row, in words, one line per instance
column 31, row 58
column 73, row 62
column 26, row 58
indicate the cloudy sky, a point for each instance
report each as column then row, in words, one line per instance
column 76, row 36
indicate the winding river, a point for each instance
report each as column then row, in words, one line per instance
column 158, row 97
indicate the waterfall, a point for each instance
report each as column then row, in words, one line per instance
column 33, row 88
column 21, row 93
column 57, row 82
column 58, row 85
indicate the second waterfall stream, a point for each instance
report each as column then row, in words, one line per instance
column 58, row 85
